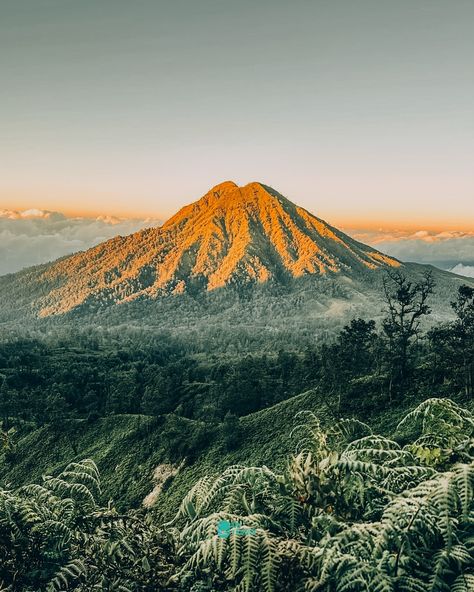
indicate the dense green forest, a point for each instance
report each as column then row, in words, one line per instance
column 258, row 440
column 91, row 373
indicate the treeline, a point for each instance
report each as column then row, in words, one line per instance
column 399, row 360
column 89, row 373
column 44, row 383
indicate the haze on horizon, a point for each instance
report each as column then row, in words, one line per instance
column 360, row 112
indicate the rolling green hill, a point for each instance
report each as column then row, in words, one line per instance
column 128, row 448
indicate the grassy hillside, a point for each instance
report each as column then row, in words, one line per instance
column 128, row 448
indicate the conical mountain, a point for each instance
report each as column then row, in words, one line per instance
column 232, row 235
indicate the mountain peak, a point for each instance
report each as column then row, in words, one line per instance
column 229, row 193
column 223, row 187
column 230, row 190
column 225, row 195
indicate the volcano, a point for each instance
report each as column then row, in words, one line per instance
column 232, row 236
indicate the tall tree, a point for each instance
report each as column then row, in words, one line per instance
column 407, row 304
column 463, row 333
column 350, row 357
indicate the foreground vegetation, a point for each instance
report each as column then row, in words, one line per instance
column 140, row 400
column 326, row 504
column 352, row 510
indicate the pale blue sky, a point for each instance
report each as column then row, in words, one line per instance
column 356, row 109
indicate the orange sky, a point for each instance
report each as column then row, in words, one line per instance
column 108, row 204
column 361, row 112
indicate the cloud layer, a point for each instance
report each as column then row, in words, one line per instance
column 451, row 250
column 36, row 236
column 460, row 269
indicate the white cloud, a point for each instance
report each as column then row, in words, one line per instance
column 445, row 249
column 460, row 269
column 35, row 236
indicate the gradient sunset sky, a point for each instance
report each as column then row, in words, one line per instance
column 361, row 111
